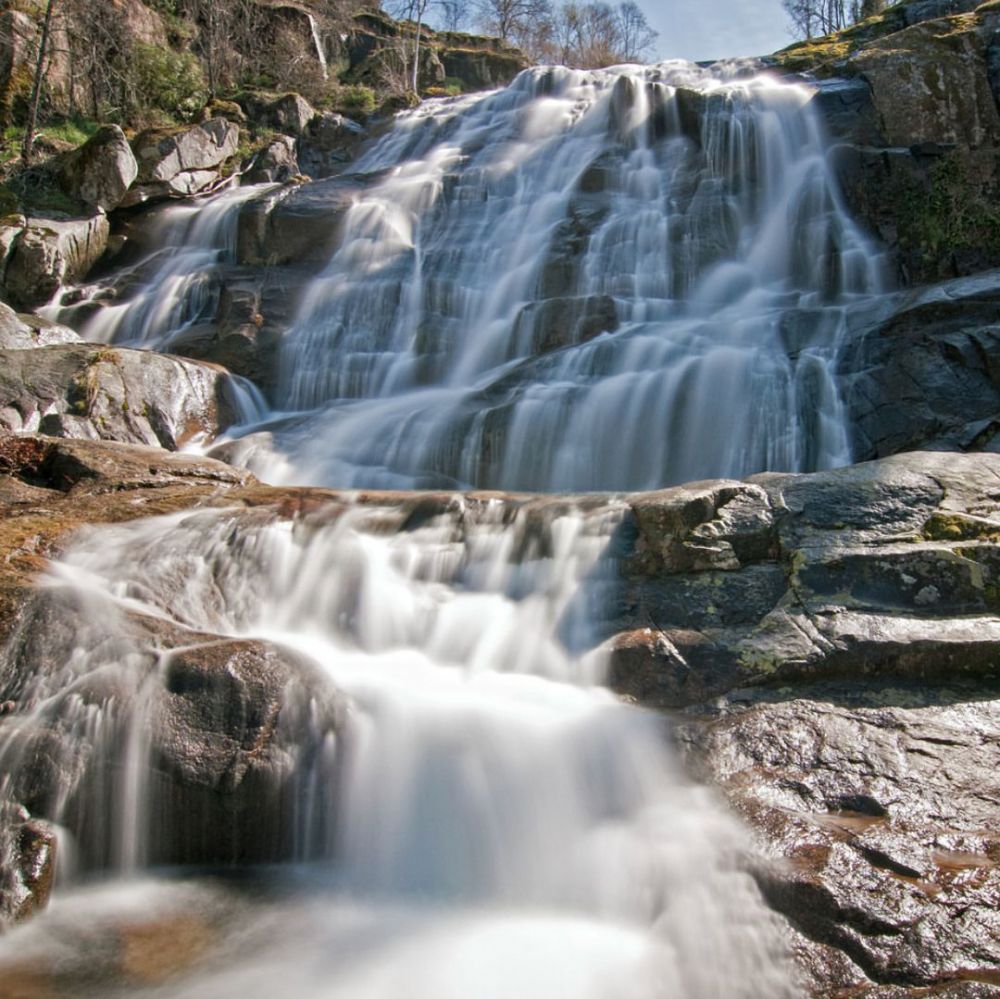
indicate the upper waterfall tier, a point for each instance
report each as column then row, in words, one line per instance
column 613, row 279
column 603, row 280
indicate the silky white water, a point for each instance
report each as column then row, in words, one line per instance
column 497, row 822
column 590, row 280
column 604, row 280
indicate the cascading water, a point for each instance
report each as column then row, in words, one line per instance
column 496, row 824
column 610, row 280
column 604, row 280
column 170, row 289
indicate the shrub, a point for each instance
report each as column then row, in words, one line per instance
column 168, row 81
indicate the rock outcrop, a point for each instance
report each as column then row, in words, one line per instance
column 102, row 393
column 916, row 107
column 181, row 162
column 42, row 255
column 833, row 643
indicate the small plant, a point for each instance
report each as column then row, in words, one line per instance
column 357, row 100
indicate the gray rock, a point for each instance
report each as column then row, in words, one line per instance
column 101, row 170
column 884, row 569
column 329, row 144
column 928, row 374
column 276, row 162
column 19, row 332
column 290, row 113
column 79, row 390
column 48, row 253
column 181, row 162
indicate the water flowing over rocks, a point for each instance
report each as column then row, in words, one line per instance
column 397, row 699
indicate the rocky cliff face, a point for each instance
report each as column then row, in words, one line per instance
column 913, row 95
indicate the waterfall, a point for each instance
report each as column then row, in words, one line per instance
column 483, row 813
column 590, row 280
column 390, row 708
column 156, row 299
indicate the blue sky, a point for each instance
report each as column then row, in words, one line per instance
column 713, row 29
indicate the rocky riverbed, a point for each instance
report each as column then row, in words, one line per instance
column 824, row 648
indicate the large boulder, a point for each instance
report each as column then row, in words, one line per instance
column 102, row 393
column 101, row 170
column 181, row 162
column 929, row 83
column 45, row 254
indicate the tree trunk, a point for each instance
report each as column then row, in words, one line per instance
column 36, row 89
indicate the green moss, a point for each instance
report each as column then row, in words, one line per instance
column 956, row 213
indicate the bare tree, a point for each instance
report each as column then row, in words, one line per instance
column 453, row 14
column 591, row 35
column 507, row 19
column 637, row 40
column 811, row 18
column 36, row 86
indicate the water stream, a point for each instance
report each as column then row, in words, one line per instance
column 609, row 280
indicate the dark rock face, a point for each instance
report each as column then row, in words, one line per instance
column 329, row 143
column 77, row 390
column 929, row 374
column 916, row 106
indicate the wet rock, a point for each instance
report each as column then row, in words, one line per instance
column 181, row 162
column 101, row 170
column 906, row 888
column 238, row 736
column 296, row 225
column 27, row 865
column 928, row 375
column 563, row 322
column 254, row 311
column 48, row 253
column 77, row 390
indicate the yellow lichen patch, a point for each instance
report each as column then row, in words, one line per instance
column 959, row 527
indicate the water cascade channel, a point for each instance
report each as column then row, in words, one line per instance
column 609, row 281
